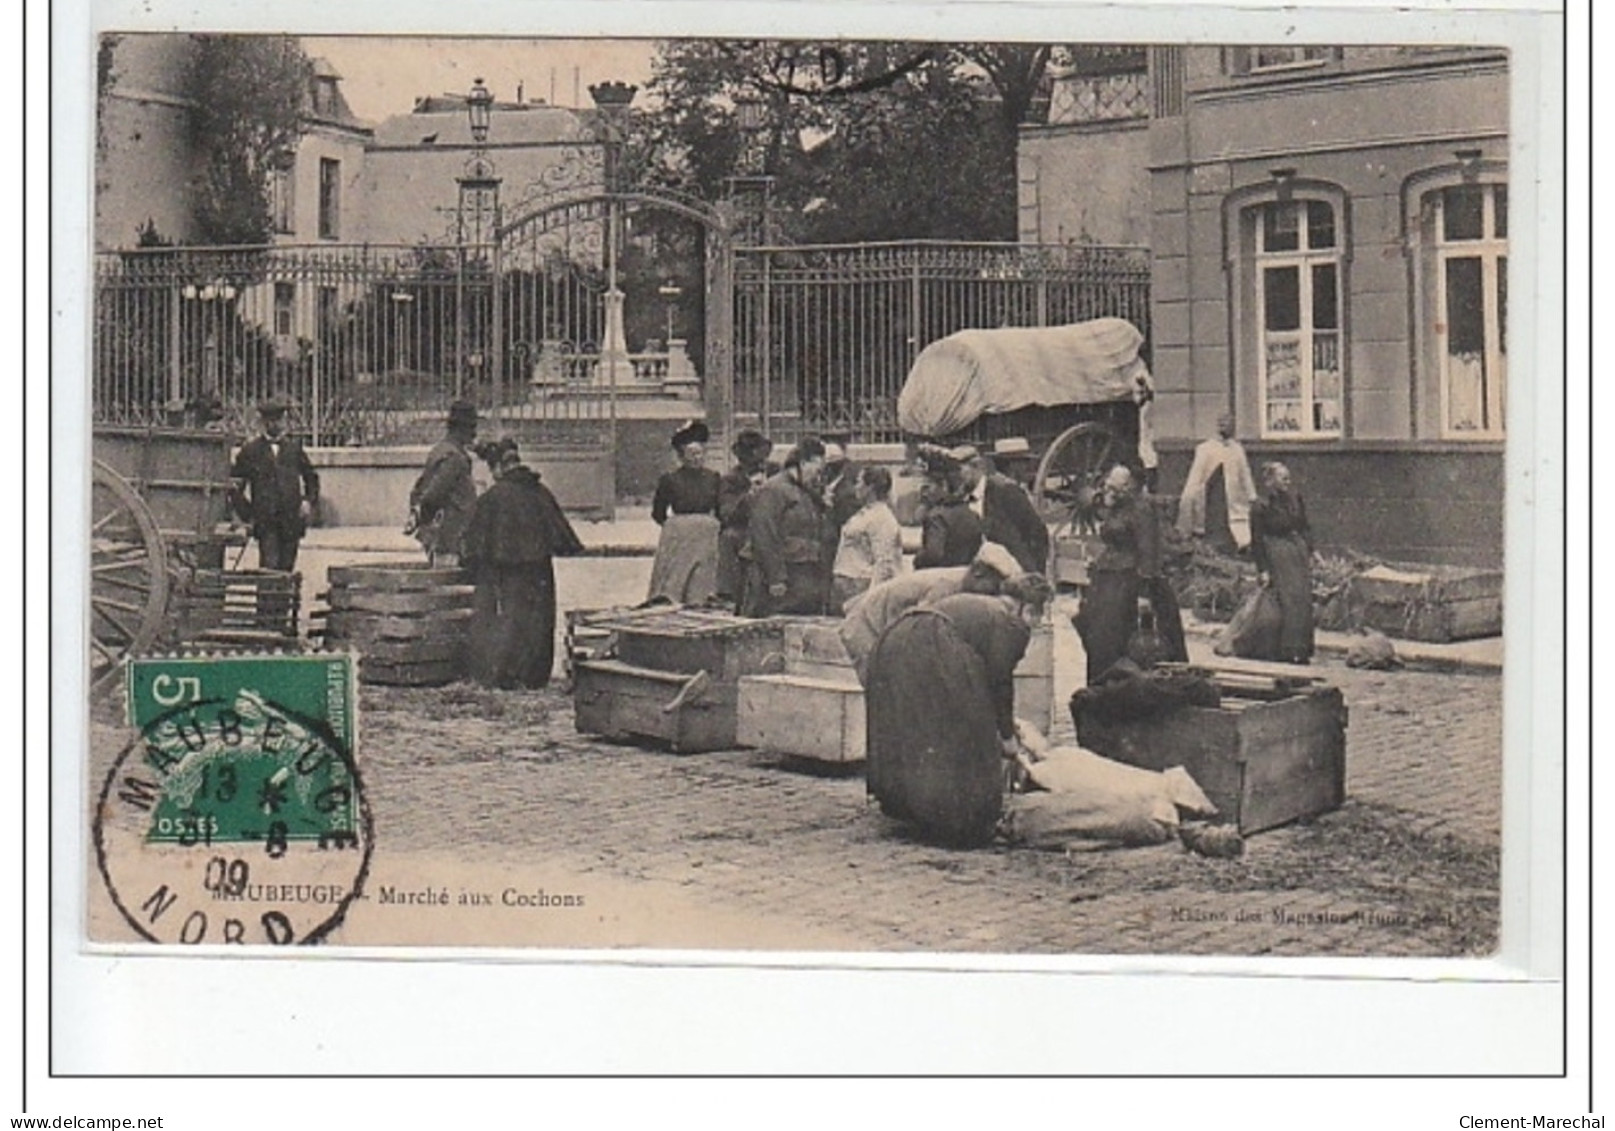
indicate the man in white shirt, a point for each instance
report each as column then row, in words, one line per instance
column 1222, row 454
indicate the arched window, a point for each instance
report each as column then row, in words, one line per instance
column 1297, row 300
column 1465, row 228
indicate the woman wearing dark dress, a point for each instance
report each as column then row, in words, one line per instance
column 1128, row 568
column 515, row 532
column 686, row 508
column 1281, row 545
column 950, row 531
column 940, row 705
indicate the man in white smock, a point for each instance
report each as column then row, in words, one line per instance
column 1224, row 454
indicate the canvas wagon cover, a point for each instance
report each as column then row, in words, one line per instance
column 959, row 378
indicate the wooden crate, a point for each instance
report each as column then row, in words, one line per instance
column 803, row 716
column 407, row 621
column 622, row 701
column 1264, row 758
column 1437, row 604
column 235, row 608
column 723, row 645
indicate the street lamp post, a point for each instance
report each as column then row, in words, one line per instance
column 612, row 100
column 401, row 301
column 478, row 219
column 754, row 183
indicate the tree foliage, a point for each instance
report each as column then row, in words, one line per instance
column 247, row 96
column 863, row 140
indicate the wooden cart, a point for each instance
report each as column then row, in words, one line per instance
column 1072, row 392
column 159, row 537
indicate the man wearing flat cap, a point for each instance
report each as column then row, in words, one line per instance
column 440, row 503
column 274, row 489
column 787, row 572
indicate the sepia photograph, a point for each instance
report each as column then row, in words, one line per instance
column 848, row 496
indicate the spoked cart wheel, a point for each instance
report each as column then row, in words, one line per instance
column 1067, row 487
column 128, row 576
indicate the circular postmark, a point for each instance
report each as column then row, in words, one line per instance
column 237, row 817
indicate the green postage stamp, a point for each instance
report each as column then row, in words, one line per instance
column 236, row 814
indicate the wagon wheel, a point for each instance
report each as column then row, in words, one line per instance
column 128, row 576
column 1069, row 474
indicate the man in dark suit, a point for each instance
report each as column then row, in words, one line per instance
column 274, row 489
column 1007, row 514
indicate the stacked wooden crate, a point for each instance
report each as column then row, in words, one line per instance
column 406, row 620
column 225, row 609
column 815, row 707
column 1273, row 752
column 673, row 675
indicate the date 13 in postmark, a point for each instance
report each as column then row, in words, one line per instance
column 236, row 815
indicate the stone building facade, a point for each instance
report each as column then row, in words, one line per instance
column 1329, row 245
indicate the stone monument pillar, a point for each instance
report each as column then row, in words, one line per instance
column 614, row 367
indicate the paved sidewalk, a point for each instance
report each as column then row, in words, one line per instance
column 630, row 534
column 1485, row 655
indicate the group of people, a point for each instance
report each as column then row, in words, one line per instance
column 507, row 538
column 969, row 500
column 1265, row 521
column 804, row 536
column 935, row 648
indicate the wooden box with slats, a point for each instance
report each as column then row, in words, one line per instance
column 641, row 681
column 1272, row 753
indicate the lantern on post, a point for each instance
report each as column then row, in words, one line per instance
column 478, row 219
column 479, row 186
column 752, row 183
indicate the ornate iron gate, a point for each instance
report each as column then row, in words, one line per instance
column 560, row 353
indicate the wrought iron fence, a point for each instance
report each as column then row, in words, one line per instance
column 368, row 344
column 825, row 336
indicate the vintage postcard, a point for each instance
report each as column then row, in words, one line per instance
column 850, row 496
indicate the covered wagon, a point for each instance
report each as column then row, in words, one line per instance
column 1077, row 393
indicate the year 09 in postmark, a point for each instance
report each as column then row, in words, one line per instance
column 236, row 814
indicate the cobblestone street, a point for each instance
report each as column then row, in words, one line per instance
column 495, row 791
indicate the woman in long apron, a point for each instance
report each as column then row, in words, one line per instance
column 1281, row 544
column 940, row 705
column 686, row 508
